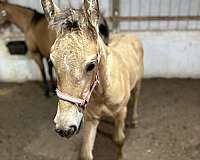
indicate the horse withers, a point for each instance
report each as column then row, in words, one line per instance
column 39, row 38
column 94, row 80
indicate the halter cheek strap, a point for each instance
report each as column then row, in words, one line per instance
column 82, row 103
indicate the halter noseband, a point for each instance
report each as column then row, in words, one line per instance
column 81, row 102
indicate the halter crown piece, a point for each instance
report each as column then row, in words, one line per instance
column 81, row 102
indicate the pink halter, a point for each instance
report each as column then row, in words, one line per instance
column 78, row 101
column 82, row 103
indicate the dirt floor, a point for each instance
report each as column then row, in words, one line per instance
column 169, row 125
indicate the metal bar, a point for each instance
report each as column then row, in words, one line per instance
column 160, row 11
column 179, row 13
column 115, row 13
column 59, row 3
column 139, row 11
column 158, row 30
column 188, row 13
column 130, row 13
column 150, row 8
column 155, row 18
column 198, row 13
column 169, row 12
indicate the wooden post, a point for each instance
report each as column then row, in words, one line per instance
column 115, row 14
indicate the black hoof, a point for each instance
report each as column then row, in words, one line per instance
column 47, row 94
column 52, row 89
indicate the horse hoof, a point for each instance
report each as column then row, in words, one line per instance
column 46, row 93
column 134, row 124
column 52, row 90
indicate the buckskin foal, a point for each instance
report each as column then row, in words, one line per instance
column 39, row 38
column 92, row 74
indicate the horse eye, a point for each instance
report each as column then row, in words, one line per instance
column 90, row 66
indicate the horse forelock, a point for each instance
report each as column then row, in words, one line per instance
column 74, row 19
column 68, row 20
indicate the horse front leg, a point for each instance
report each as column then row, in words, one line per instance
column 119, row 135
column 38, row 60
column 134, row 118
column 89, row 135
column 52, row 81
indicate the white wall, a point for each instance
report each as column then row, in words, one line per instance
column 16, row 68
column 167, row 54
column 171, row 54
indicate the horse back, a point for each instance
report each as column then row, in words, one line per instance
column 124, row 67
column 127, row 51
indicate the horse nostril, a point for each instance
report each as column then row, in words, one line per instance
column 58, row 130
column 73, row 129
column 70, row 132
column 67, row 133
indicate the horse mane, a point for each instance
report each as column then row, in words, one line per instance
column 73, row 19
column 68, row 20
column 104, row 29
column 37, row 16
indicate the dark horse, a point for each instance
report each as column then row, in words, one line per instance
column 39, row 38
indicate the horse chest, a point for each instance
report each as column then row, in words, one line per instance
column 116, row 94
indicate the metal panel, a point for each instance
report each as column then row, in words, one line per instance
column 105, row 5
column 141, row 14
column 159, row 15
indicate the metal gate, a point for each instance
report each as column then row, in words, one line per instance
column 140, row 15
column 151, row 15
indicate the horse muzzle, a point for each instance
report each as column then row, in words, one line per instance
column 68, row 125
column 70, row 131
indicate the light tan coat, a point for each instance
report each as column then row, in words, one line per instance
column 120, row 72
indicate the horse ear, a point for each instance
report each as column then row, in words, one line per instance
column 50, row 9
column 91, row 11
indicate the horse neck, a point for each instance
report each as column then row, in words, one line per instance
column 103, row 72
column 19, row 16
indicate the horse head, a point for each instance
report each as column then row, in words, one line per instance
column 75, row 55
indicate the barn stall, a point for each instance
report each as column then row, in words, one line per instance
column 169, row 104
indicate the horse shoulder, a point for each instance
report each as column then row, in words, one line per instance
column 30, row 41
column 118, row 78
column 131, row 51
